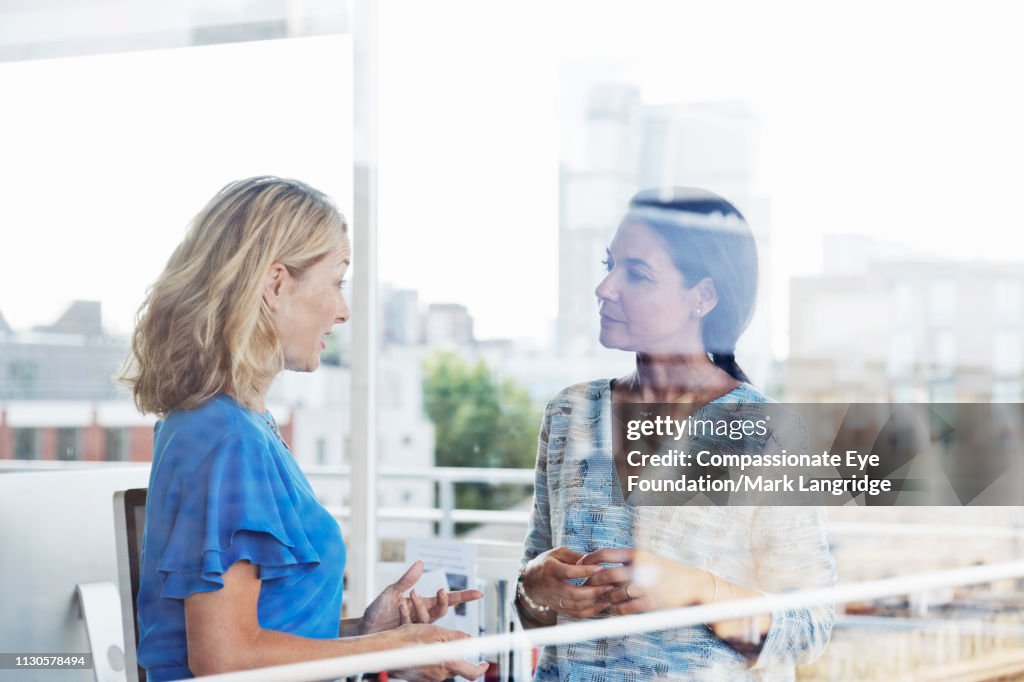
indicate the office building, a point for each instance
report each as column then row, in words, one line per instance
column 906, row 331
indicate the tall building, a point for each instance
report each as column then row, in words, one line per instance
column 593, row 193
column 448, row 324
column 400, row 309
column 715, row 146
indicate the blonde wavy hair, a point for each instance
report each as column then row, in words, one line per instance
column 204, row 327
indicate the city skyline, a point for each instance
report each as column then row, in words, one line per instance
column 889, row 144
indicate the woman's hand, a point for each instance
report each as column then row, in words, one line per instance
column 415, row 634
column 546, row 581
column 385, row 611
column 647, row 582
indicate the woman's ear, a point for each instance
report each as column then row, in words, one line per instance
column 274, row 285
column 707, row 296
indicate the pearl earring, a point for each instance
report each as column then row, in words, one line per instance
column 698, row 311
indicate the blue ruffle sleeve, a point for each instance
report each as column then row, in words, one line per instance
column 236, row 505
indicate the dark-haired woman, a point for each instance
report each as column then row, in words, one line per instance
column 680, row 289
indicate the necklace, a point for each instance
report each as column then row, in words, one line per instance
column 269, row 420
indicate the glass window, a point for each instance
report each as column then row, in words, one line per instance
column 68, row 443
column 120, row 120
column 1007, row 353
column 944, row 352
column 941, row 302
column 1006, row 391
column 194, row 119
column 942, row 391
column 22, row 379
column 1007, row 302
column 903, row 302
column 501, row 175
column 901, row 354
column 907, row 393
column 26, row 443
column 116, row 444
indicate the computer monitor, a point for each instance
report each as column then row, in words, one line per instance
column 129, row 523
column 56, row 531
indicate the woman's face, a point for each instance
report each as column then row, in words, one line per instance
column 308, row 308
column 644, row 304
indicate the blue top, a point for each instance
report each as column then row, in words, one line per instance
column 578, row 504
column 225, row 488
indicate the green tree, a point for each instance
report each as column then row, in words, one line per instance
column 480, row 421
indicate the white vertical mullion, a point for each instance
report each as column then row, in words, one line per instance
column 363, row 444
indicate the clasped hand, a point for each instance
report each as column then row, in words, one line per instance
column 642, row 582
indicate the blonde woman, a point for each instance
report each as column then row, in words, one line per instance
column 241, row 565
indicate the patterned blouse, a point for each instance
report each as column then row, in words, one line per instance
column 578, row 503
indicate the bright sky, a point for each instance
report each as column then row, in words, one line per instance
column 106, row 159
column 899, row 121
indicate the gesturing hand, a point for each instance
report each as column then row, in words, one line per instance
column 546, row 581
column 415, row 634
column 384, row 613
column 647, row 582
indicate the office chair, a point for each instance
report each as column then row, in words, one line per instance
column 129, row 520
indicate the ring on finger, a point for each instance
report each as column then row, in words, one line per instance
column 628, row 595
column 560, row 604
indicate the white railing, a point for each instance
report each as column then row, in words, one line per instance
column 29, row 465
column 488, row 648
column 877, row 529
column 446, row 514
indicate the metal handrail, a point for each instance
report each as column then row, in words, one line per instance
column 522, row 641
